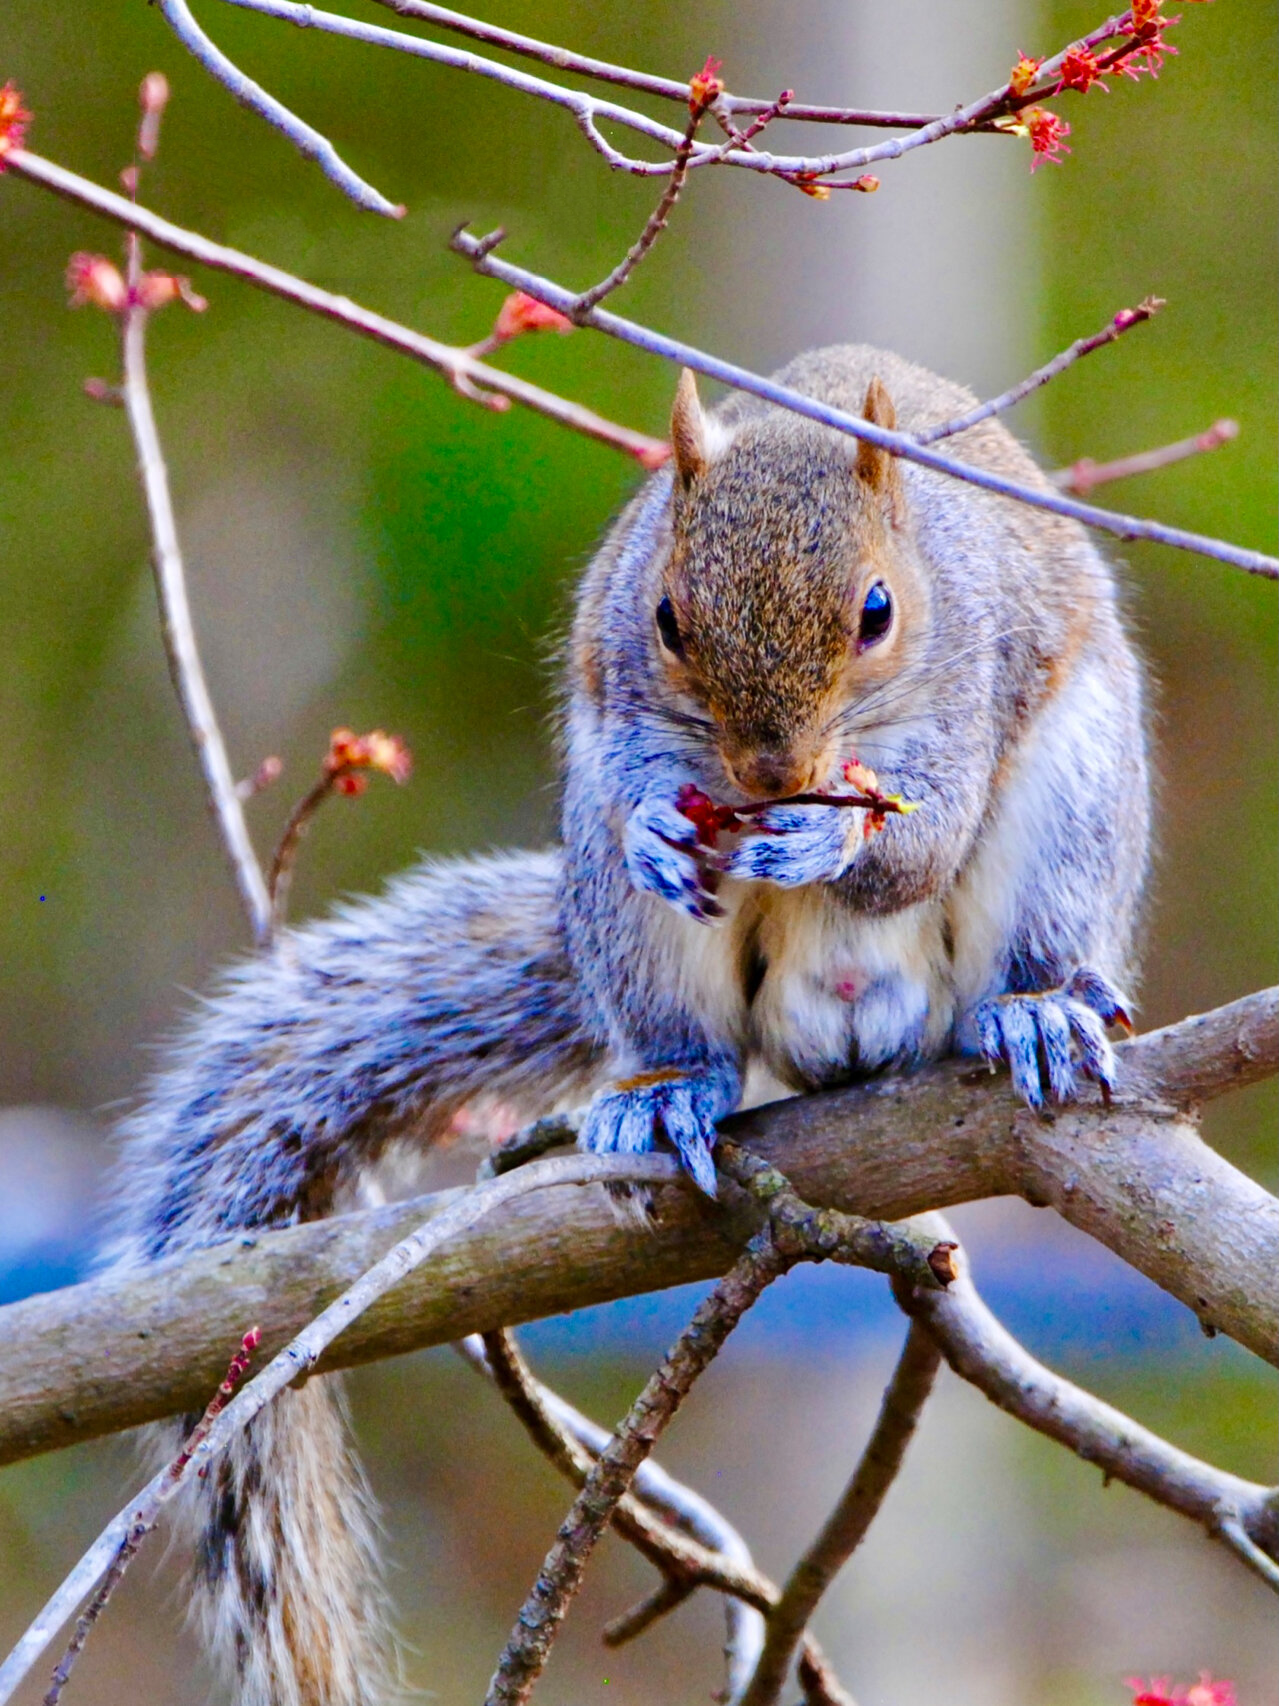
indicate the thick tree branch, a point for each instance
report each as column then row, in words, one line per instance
column 980, row 1349
column 296, row 1360
column 129, row 1348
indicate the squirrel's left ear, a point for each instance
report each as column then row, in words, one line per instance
column 688, row 430
column 875, row 466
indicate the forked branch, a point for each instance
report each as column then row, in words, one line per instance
column 480, row 252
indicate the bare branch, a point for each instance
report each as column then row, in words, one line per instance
column 1231, row 1530
column 794, row 1231
column 979, row 1348
column 845, row 1528
column 300, row 1356
column 480, row 253
column 1123, row 322
column 307, row 141
column 178, row 629
column 225, row 797
column 1083, row 475
column 563, row 59
column 127, row 1348
column 530, row 1640
column 718, row 1557
column 447, row 359
column 1001, row 104
column 654, row 227
column 147, row 1514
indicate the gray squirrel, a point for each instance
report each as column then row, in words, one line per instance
column 777, row 602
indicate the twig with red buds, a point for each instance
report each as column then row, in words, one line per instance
column 341, row 772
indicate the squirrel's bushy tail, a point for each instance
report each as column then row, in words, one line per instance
column 369, row 1029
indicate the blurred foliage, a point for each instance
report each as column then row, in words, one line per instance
column 368, row 549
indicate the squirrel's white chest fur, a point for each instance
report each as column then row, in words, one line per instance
column 812, row 990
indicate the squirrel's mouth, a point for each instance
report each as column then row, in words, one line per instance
column 771, row 773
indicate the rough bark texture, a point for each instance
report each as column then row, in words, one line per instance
column 117, row 1351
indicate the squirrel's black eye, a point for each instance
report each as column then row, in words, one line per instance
column 877, row 615
column 668, row 628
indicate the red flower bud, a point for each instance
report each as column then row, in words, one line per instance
column 94, row 279
column 523, row 313
column 14, row 119
column 706, row 87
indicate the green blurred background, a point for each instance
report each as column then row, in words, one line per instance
column 365, row 548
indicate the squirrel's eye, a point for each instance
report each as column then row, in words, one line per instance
column 877, row 615
column 668, row 628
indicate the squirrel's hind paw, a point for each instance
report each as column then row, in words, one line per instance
column 1045, row 1039
column 627, row 1120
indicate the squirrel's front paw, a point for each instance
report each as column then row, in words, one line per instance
column 663, row 857
column 794, row 845
column 1039, row 1036
column 626, row 1119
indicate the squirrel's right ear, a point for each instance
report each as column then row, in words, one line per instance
column 875, row 465
column 688, row 430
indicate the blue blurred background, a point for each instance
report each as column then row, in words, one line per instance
column 367, row 549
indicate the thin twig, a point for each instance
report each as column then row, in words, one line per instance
column 794, row 1231
column 1232, row 1531
column 299, row 1356
column 564, row 59
column 589, row 112
column 978, row 1347
column 185, row 668
column 690, row 1541
column 446, row 359
column 528, row 1647
column 307, row 141
column 1083, row 475
column 479, row 251
column 845, row 1528
column 146, row 1517
column 1123, row 322
column 655, row 225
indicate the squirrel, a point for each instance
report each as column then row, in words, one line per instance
column 776, row 602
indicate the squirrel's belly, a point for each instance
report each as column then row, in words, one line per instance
column 844, row 992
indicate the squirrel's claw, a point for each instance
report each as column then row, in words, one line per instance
column 663, row 858
column 1045, row 1039
column 792, row 846
column 627, row 1119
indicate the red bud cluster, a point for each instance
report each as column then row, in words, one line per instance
column 1162, row 1691
column 350, row 753
column 95, row 281
column 523, row 313
column 14, row 119
column 706, row 86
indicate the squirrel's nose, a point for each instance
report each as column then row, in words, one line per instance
column 772, row 773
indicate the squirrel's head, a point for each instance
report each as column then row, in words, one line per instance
column 792, row 590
